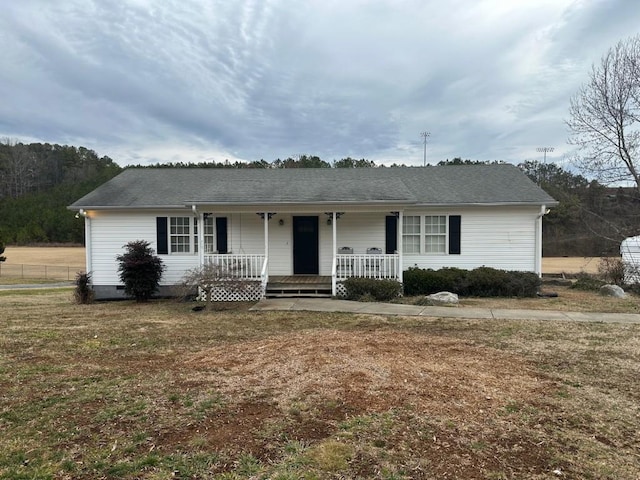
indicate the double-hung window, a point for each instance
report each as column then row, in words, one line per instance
column 183, row 235
column 424, row 234
column 435, row 234
column 411, row 234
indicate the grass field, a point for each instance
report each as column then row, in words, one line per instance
column 54, row 256
column 41, row 264
column 155, row 391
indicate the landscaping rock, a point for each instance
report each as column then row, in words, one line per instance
column 443, row 298
column 612, row 291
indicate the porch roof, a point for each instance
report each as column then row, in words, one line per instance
column 444, row 185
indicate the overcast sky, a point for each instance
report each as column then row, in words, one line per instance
column 201, row 80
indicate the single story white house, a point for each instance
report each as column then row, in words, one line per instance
column 304, row 231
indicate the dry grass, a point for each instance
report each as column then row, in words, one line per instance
column 570, row 265
column 568, row 300
column 122, row 390
column 54, row 256
column 41, row 264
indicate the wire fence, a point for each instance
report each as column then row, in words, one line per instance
column 46, row 272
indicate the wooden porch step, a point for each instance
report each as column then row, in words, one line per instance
column 298, row 289
column 298, row 295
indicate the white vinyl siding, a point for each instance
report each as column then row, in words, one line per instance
column 498, row 237
column 110, row 231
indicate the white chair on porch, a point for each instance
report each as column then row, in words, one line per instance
column 374, row 265
column 345, row 266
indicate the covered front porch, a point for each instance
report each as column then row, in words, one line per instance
column 306, row 253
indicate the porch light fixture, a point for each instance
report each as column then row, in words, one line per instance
column 281, row 222
column 330, row 216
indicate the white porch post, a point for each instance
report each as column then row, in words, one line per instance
column 334, row 229
column 201, row 238
column 199, row 216
column 334, row 226
column 400, row 252
column 266, row 234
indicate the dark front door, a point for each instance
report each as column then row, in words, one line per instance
column 305, row 246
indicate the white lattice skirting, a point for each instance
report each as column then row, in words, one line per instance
column 341, row 291
column 250, row 291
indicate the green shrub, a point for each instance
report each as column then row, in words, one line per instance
column 140, row 270
column 418, row 281
column 480, row 282
column 372, row 289
column 587, row 282
column 523, row 284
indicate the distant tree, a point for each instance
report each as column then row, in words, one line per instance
column 460, row 161
column 301, row 161
column 552, row 178
column 349, row 162
column 604, row 116
column 140, row 270
column 18, row 166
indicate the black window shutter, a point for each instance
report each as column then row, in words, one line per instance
column 162, row 235
column 454, row 234
column 221, row 234
column 391, row 234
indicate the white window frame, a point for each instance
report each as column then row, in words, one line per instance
column 408, row 223
column 209, row 234
column 429, row 234
column 424, row 233
column 177, row 231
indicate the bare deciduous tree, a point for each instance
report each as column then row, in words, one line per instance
column 18, row 167
column 605, row 116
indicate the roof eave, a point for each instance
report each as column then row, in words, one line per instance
column 551, row 203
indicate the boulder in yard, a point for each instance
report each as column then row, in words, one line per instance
column 612, row 291
column 443, row 298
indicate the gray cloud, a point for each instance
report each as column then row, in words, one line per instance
column 207, row 80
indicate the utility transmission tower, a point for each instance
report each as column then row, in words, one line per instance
column 425, row 135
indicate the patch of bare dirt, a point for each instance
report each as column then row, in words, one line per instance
column 371, row 372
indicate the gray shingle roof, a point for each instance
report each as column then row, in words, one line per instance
column 445, row 185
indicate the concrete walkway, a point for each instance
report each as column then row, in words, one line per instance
column 334, row 305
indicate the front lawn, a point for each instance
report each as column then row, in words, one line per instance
column 125, row 390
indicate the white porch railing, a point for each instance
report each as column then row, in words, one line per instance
column 245, row 267
column 378, row 266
